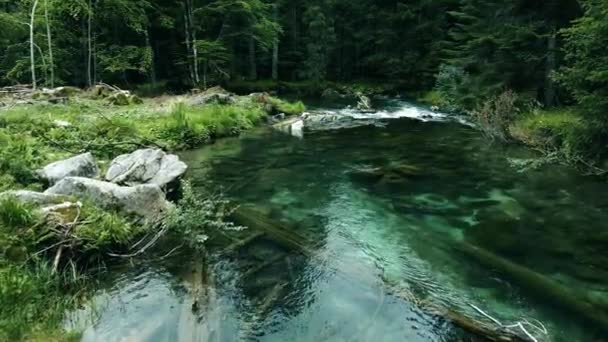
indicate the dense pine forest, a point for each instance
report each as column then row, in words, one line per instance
column 468, row 51
column 307, row 170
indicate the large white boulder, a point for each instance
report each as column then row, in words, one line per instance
column 82, row 165
column 146, row 166
column 147, row 200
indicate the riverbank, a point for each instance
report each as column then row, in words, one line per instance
column 563, row 134
column 51, row 262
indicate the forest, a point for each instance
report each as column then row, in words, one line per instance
column 447, row 156
column 548, row 52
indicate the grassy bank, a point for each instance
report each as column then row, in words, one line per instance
column 35, row 288
column 563, row 132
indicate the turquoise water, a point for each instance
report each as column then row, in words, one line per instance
column 387, row 216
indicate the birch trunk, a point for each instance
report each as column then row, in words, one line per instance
column 188, row 47
column 89, row 46
column 32, row 54
column 50, row 43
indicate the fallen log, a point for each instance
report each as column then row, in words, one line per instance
column 292, row 241
column 540, row 285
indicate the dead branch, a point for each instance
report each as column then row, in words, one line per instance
column 150, row 243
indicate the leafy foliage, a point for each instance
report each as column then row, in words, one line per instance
column 195, row 216
column 586, row 71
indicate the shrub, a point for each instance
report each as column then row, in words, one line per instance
column 495, row 115
column 195, row 216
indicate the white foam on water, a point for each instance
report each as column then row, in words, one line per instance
column 404, row 110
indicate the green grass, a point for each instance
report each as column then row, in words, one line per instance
column 289, row 108
column 562, row 129
column 33, row 301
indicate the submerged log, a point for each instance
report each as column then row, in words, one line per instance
column 540, row 285
column 242, row 243
column 256, row 220
column 296, row 243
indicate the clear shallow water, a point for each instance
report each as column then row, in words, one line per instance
column 379, row 205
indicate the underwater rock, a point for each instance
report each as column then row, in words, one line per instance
column 82, row 165
column 146, row 166
column 373, row 174
column 147, row 201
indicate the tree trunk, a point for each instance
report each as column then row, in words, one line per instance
column 50, row 43
column 551, row 66
column 253, row 71
column 32, row 55
column 294, row 33
column 151, row 50
column 193, row 41
column 90, row 46
column 188, row 48
column 275, row 48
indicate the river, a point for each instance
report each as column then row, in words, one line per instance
column 385, row 209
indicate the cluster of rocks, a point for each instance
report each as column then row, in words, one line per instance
column 135, row 183
column 213, row 95
column 323, row 121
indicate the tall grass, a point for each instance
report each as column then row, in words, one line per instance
column 32, row 303
column 562, row 130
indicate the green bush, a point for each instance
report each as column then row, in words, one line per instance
column 195, row 216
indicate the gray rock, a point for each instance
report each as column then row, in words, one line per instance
column 214, row 95
column 82, row 165
column 119, row 99
column 146, row 166
column 330, row 93
column 33, row 197
column 147, row 201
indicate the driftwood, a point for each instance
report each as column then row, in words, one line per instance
column 292, row 241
